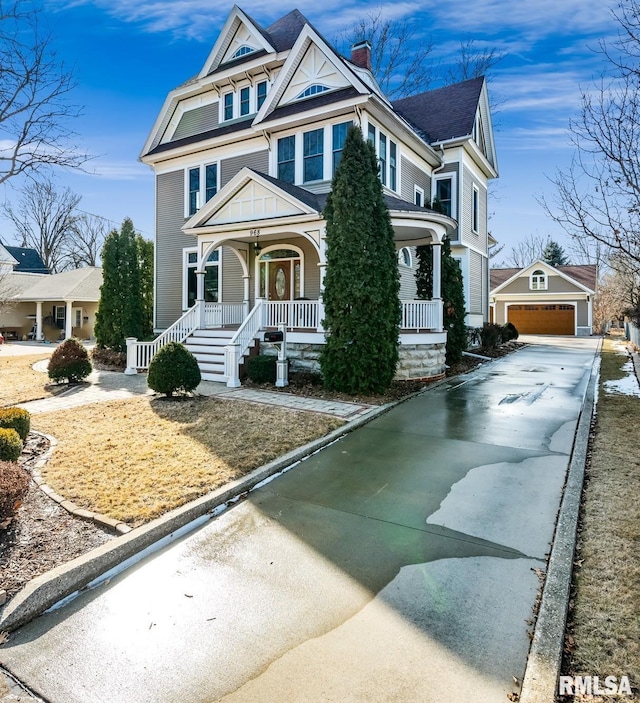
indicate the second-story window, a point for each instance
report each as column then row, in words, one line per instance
column 261, row 94
column 228, row 106
column 211, row 181
column 382, row 158
column 371, row 135
column 393, row 165
column 313, row 155
column 194, row 190
column 475, row 222
column 444, row 193
column 202, row 185
column 339, row 134
column 245, row 101
column 287, row 159
column 418, row 196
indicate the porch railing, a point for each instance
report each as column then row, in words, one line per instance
column 221, row 314
column 421, row 315
column 139, row 354
column 240, row 343
column 295, row 314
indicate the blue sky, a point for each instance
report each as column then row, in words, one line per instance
column 128, row 54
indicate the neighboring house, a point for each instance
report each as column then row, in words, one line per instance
column 27, row 260
column 47, row 306
column 244, row 154
column 541, row 299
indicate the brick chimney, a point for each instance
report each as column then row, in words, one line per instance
column 361, row 54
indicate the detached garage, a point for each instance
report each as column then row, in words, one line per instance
column 541, row 299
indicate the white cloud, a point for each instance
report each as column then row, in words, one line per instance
column 117, row 170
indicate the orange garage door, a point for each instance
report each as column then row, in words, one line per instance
column 542, row 319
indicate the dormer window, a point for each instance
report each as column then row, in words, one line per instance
column 312, row 90
column 538, row 280
column 243, row 51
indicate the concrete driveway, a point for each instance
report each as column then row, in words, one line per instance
column 400, row 563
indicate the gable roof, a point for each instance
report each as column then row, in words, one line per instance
column 584, row 275
column 81, row 285
column 284, row 32
column 28, row 260
column 6, row 257
column 444, row 113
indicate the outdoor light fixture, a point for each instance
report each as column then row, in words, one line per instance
column 256, row 245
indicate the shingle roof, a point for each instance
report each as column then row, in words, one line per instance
column 284, row 32
column 585, row 274
column 202, row 136
column 444, row 113
column 77, row 285
column 327, row 98
column 29, row 261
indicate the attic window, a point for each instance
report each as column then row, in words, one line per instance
column 538, row 280
column 243, row 51
column 312, row 90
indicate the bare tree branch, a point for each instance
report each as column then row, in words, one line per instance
column 473, row 62
column 34, row 92
column 526, row 252
column 85, row 240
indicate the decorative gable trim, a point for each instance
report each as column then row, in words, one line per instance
column 320, row 58
column 248, row 197
column 549, row 270
column 239, row 29
column 484, row 127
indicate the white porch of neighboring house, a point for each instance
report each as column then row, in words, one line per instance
column 275, row 235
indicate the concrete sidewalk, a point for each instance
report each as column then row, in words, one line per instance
column 401, row 563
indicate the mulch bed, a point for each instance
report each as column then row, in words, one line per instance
column 44, row 535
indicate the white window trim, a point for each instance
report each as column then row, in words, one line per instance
column 453, row 177
column 253, row 100
column 390, row 137
column 185, row 265
column 203, row 185
column 76, row 313
column 417, row 190
column 546, row 280
column 475, row 210
column 274, row 247
column 401, row 261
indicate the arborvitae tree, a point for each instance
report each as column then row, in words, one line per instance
column 424, row 272
column 145, row 261
column 361, row 285
column 120, row 310
column 554, row 255
column 454, row 305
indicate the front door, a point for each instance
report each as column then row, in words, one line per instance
column 279, row 280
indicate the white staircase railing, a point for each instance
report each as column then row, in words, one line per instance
column 139, row 354
column 221, row 314
column 422, row 315
column 240, row 343
column 295, row 314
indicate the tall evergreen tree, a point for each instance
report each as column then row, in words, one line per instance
column 454, row 304
column 554, row 255
column 361, row 286
column 145, row 260
column 120, row 310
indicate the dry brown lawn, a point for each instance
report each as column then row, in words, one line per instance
column 20, row 383
column 605, row 621
column 136, row 459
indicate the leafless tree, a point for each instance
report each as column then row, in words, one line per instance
column 34, row 96
column 85, row 240
column 473, row 62
column 45, row 220
column 598, row 197
column 8, row 289
column 400, row 58
column 618, row 293
column 525, row 252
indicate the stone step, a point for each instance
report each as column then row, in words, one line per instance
column 205, row 349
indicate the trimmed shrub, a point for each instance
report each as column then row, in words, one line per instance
column 14, row 484
column 16, row 418
column 490, row 335
column 69, row 361
column 173, row 369
column 509, row 332
column 10, row 444
column 109, row 357
column 261, row 368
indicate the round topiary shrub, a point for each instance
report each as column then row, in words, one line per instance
column 16, row 418
column 10, row 444
column 173, row 369
column 14, row 484
column 262, row 368
column 509, row 332
column 69, row 361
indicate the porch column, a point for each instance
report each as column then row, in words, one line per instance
column 200, row 297
column 39, row 320
column 322, row 264
column 436, row 249
column 245, row 294
column 68, row 320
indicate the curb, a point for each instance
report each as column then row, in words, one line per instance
column 46, row 590
column 540, row 682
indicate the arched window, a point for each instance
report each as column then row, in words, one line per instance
column 538, row 280
column 243, row 51
column 312, row 90
column 404, row 257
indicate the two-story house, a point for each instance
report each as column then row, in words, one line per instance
column 243, row 156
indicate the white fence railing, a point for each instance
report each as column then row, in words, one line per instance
column 295, row 314
column 421, row 315
column 221, row 314
column 139, row 354
column 240, row 343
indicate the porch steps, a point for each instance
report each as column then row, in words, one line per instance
column 208, row 348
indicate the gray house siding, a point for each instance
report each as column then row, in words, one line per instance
column 170, row 241
column 410, row 176
column 232, row 283
column 197, row 121
column 257, row 160
column 408, row 278
column 556, row 284
column 454, row 169
column 478, row 239
column 475, row 283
